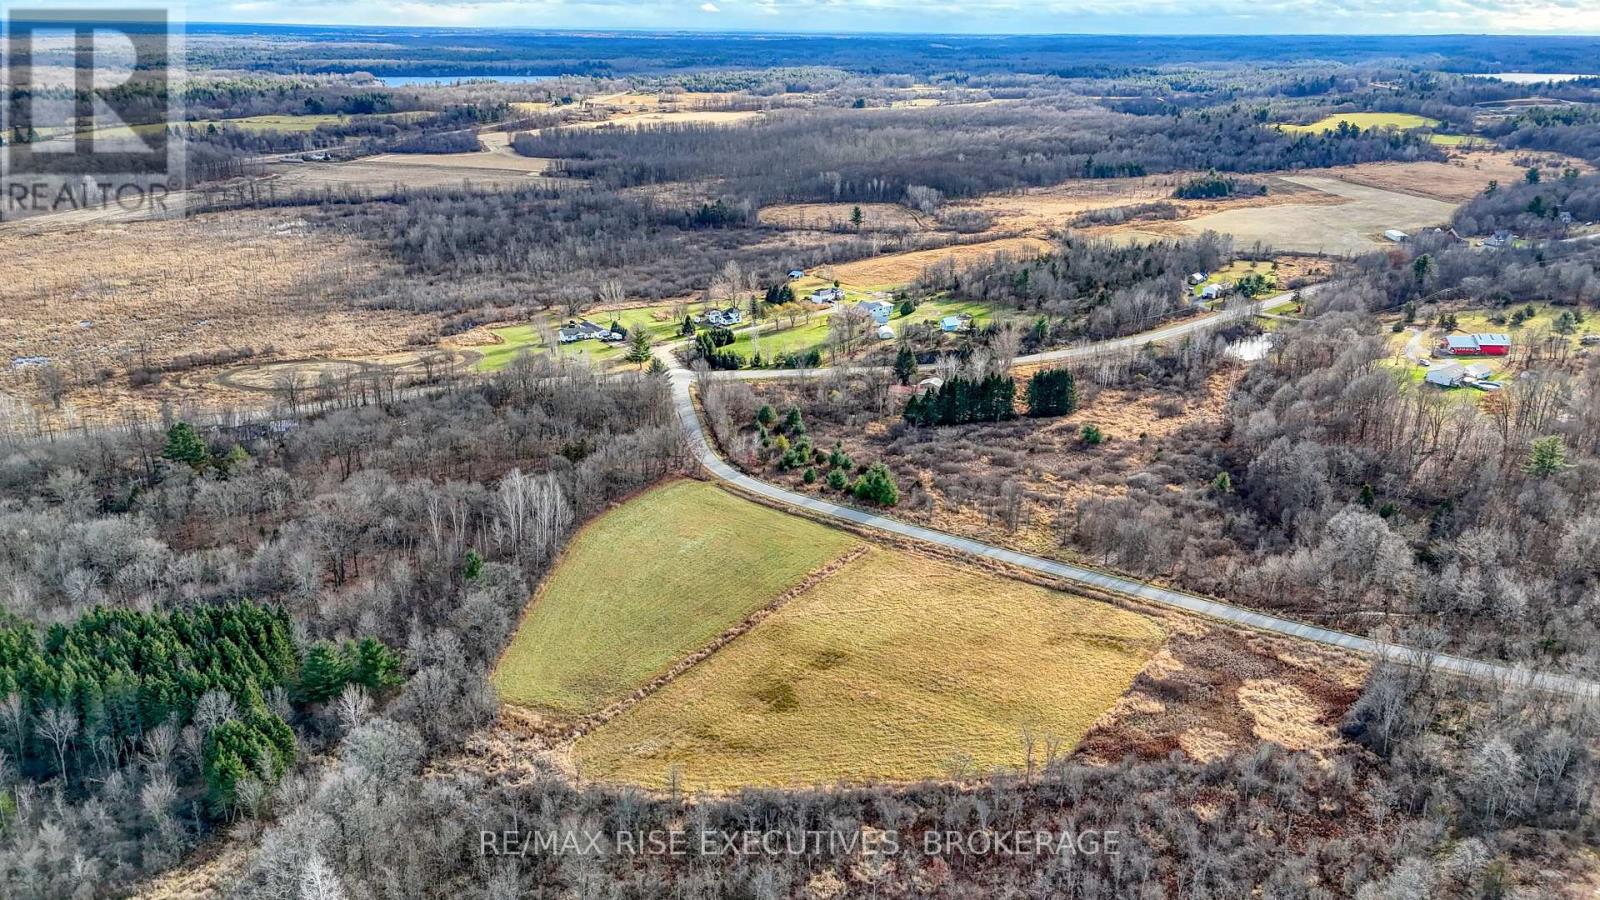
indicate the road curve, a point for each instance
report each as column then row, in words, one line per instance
column 694, row 432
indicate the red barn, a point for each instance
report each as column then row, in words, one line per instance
column 1477, row 345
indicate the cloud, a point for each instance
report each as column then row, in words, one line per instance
column 709, row 8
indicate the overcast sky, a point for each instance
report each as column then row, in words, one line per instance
column 936, row 16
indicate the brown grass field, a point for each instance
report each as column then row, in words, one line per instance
column 902, row 268
column 897, row 667
column 113, row 297
column 874, row 216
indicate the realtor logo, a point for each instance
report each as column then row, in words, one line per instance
column 91, row 112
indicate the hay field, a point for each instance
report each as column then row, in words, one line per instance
column 675, row 117
column 897, row 269
column 1465, row 176
column 897, row 667
column 1350, row 227
column 649, row 583
column 1364, row 121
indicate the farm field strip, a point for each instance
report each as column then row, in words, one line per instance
column 649, row 583
column 894, row 668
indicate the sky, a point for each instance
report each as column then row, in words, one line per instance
column 935, row 16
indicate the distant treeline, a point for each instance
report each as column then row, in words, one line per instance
column 878, row 155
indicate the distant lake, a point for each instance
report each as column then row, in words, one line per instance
column 1535, row 77
column 423, row 80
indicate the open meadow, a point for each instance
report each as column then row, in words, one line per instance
column 649, row 583
column 895, row 667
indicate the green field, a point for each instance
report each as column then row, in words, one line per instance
column 896, row 667
column 1364, row 121
column 649, row 583
column 814, row 334
column 657, row 320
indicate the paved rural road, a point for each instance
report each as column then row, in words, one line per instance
column 1082, row 351
column 694, row 430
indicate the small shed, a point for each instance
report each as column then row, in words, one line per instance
column 1396, row 235
column 797, row 273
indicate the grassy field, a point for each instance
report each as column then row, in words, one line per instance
column 649, row 583
column 657, row 320
column 1348, row 219
column 896, row 667
column 1365, row 120
column 814, row 334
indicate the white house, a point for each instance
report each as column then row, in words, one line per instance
column 879, row 310
column 725, row 317
column 1447, row 375
column 931, row 383
column 827, row 295
column 581, row 330
column 1197, row 278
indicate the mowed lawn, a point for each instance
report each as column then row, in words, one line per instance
column 893, row 668
column 657, row 320
column 647, row 584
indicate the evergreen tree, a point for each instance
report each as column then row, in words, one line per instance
column 1052, row 392
column 324, row 673
column 905, row 364
column 877, row 486
column 185, row 446
column 639, row 349
column 1548, row 456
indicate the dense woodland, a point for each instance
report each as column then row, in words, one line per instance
column 416, row 525
column 879, row 155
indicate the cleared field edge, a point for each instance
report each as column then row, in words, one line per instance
column 850, row 546
column 1136, row 636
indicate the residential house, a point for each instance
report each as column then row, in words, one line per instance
column 1477, row 370
column 581, row 330
column 1197, row 278
column 1501, row 238
column 879, row 310
column 827, row 295
column 724, row 317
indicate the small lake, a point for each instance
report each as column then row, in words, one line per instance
column 426, row 80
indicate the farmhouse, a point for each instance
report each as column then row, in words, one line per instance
column 827, row 295
column 581, row 330
column 1493, row 344
column 879, row 310
column 1197, row 278
column 1500, row 238
column 725, row 317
